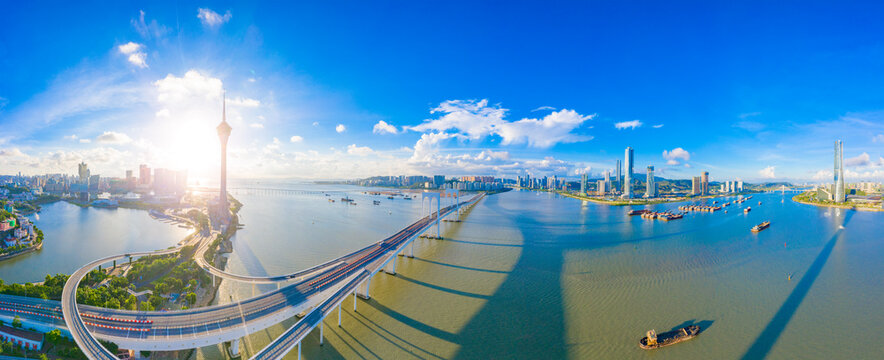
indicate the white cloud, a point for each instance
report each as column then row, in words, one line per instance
column 633, row 124
column 212, row 19
column 244, row 102
column 750, row 125
column 273, row 146
column 861, row 160
column 70, row 137
column 382, row 127
column 256, row 125
column 475, row 119
column 352, row 149
column 316, row 123
column 768, row 172
column 673, row 156
column 823, row 175
column 296, row 139
column 878, row 138
column 14, row 152
column 543, row 108
column 135, row 54
column 489, row 155
column 749, row 114
column 112, row 137
column 173, row 89
column 153, row 29
column 163, row 113
column 657, row 126
column 340, row 128
column 85, row 141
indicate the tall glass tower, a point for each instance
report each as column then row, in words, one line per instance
column 651, row 190
column 627, row 179
column 839, row 172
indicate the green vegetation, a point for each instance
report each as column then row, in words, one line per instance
column 50, row 289
column 811, row 198
column 209, row 255
column 198, row 217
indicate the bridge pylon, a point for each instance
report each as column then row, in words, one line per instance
column 433, row 196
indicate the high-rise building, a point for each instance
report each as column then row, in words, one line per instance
column 438, row 180
column 223, row 134
column 83, row 171
column 600, row 187
column 627, row 176
column 143, row 174
column 619, row 179
column 740, row 186
column 583, row 184
column 695, row 185
column 839, row 172
column 651, row 190
column 704, row 188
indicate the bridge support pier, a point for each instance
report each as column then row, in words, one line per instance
column 320, row 331
column 234, row 348
column 354, row 300
column 299, row 350
column 363, row 290
column 410, row 253
column 339, row 311
column 390, row 268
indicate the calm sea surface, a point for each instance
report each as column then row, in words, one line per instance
column 74, row 236
column 536, row 275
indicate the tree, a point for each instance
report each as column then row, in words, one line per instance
column 146, row 306
column 53, row 336
column 191, row 298
column 16, row 322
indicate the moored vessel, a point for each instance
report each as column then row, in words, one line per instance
column 654, row 340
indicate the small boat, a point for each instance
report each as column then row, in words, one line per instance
column 759, row 203
column 655, row 341
column 331, row 200
column 747, row 209
column 636, row 212
column 761, row 226
column 376, row 202
column 390, row 197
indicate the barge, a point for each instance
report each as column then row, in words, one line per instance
column 761, row 226
column 655, row 341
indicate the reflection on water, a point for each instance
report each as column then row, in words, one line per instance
column 531, row 275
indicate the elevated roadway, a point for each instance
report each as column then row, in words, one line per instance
column 176, row 330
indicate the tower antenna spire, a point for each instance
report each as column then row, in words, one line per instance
column 224, row 105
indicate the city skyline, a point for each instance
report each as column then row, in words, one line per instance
column 144, row 89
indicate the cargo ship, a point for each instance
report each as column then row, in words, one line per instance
column 636, row 212
column 747, row 209
column 655, row 341
column 761, row 226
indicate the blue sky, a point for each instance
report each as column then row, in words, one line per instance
column 339, row 90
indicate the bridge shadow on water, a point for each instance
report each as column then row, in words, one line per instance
column 771, row 333
column 524, row 318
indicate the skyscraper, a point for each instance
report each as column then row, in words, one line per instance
column 83, row 171
column 143, row 174
column 627, row 179
column 583, row 184
column 839, row 172
column 651, row 190
column 695, row 185
column 619, row 179
column 704, row 188
column 223, row 134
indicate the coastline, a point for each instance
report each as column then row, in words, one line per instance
column 27, row 250
column 628, row 203
column 847, row 207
